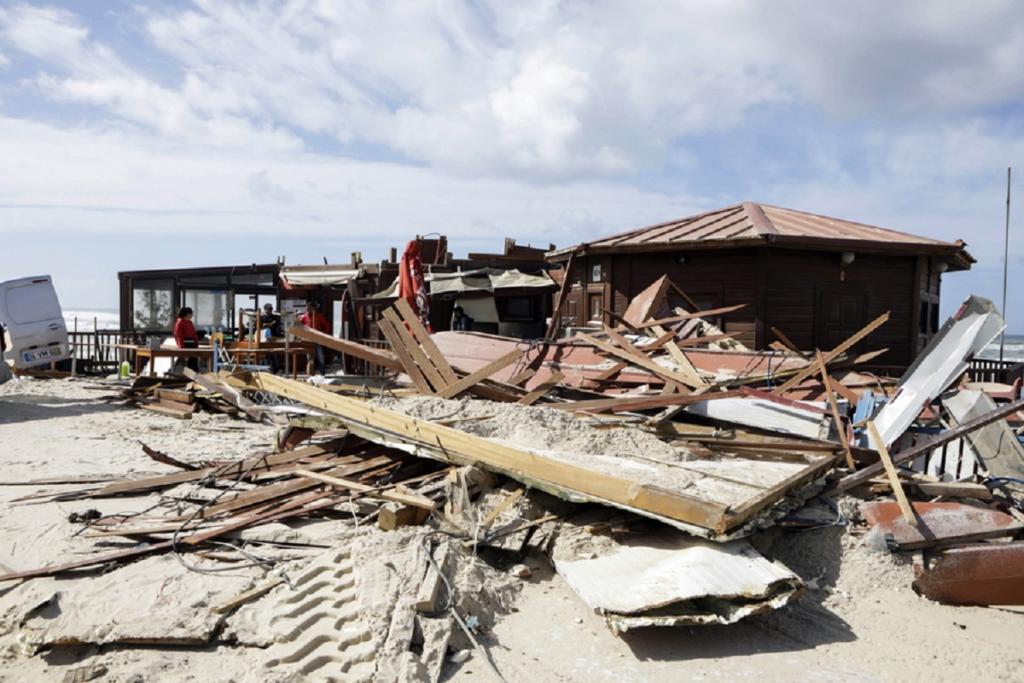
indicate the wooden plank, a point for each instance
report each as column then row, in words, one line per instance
column 690, row 316
column 480, row 375
column 786, row 341
column 165, row 410
column 252, row 464
column 840, row 429
column 408, row 365
column 421, row 334
column 894, row 478
column 427, row 595
column 833, row 354
column 374, row 356
column 643, row 362
column 522, row 377
column 630, row 403
column 104, row 558
column 535, row 395
column 229, row 394
column 287, row 488
column 393, row 496
column 447, row 444
column 563, row 294
column 178, row 395
column 505, row 503
column 674, row 350
column 409, row 343
column 247, row 596
column 177, row 405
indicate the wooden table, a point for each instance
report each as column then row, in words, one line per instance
column 207, row 352
column 163, row 352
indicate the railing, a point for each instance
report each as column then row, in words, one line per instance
column 96, row 352
column 990, row 370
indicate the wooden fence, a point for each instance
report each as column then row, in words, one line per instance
column 988, row 370
column 96, row 352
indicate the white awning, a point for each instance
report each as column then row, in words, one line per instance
column 328, row 275
column 486, row 280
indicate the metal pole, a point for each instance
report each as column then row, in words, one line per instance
column 1006, row 257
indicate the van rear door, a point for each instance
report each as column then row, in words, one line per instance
column 36, row 331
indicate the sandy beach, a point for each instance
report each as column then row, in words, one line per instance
column 152, row 619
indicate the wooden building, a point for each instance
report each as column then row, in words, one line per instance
column 816, row 279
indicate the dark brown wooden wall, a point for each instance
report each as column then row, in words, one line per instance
column 794, row 281
column 783, row 287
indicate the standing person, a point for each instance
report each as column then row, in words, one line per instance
column 185, row 335
column 314, row 319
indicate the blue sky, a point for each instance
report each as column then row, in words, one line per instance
column 182, row 134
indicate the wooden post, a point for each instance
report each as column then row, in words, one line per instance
column 840, row 430
column 894, row 477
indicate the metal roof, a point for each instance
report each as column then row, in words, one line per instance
column 750, row 224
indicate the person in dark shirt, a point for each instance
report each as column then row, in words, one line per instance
column 270, row 321
column 460, row 321
column 185, row 335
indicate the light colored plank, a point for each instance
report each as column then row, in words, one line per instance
column 534, row 396
column 643, row 362
column 894, row 477
column 425, row 340
column 480, row 375
column 840, row 430
column 427, row 367
column 406, row 361
column 833, row 354
column 409, row 499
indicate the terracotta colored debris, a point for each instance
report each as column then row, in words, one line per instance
column 979, row 574
column 938, row 524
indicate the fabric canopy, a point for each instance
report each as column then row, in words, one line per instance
column 483, row 280
column 303, row 276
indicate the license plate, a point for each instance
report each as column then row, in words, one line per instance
column 52, row 352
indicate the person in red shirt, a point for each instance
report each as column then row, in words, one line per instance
column 185, row 335
column 314, row 319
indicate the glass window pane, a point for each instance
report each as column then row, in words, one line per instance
column 211, row 309
column 257, row 279
column 152, row 308
column 204, row 280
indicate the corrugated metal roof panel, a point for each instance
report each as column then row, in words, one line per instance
column 760, row 221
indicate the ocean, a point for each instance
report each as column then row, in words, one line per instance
column 105, row 319
column 1013, row 348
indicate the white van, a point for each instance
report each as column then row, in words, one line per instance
column 36, row 333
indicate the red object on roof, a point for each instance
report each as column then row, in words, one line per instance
column 411, row 285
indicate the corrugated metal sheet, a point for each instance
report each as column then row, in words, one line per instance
column 667, row 581
column 754, row 222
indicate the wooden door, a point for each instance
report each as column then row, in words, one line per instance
column 841, row 312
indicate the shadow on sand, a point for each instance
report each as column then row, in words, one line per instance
column 27, row 407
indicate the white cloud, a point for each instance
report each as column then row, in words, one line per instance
column 118, row 183
column 541, row 90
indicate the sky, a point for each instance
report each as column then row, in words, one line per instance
column 175, row 134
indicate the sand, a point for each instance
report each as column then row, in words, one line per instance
column 859, row 619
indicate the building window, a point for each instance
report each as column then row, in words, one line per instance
column 152, row 305
column 923, row 317
column 519, row 308
column 596, row 307
column 934, row 317
column 596, row 273
column 211, row 309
